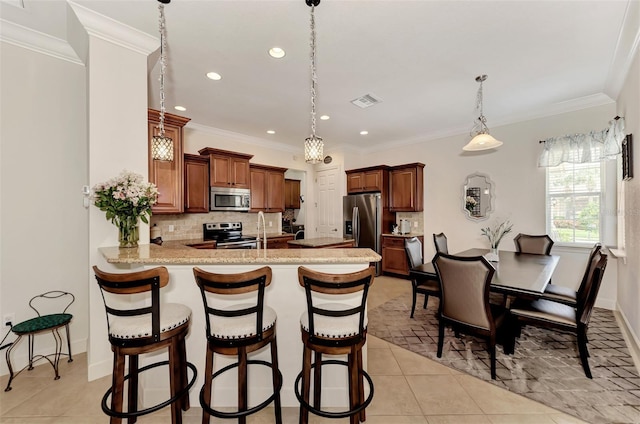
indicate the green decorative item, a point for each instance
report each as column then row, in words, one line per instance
column 125, row 199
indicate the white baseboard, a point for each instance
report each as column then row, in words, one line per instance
column 609, row 304
column 20, row 356
column 100, row 369
column 629, row 337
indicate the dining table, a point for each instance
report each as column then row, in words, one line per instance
column 517, row 274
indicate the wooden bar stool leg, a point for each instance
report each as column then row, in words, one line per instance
column 175, row 379
column 242, row 383
column 276, row 376
column 317, row 380
column 206, row 392
column 133, row 386
column 354, row 396
column 117, row 384
column 363, row 415
column 182, row 350
column 306, row 384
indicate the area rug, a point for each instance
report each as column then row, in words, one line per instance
column 545, row 366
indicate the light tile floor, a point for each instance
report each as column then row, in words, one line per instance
column 409, row 389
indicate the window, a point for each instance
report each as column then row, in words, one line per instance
column 574, row 202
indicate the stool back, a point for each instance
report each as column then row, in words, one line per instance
column 57, row 297
column 235, row 284
column 336, row 284
column 131, row 283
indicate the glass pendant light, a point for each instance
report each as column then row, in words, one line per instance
column 161, row 145
column 313, row 145
column 481, row 139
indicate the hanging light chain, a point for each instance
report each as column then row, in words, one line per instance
column 481, row 122
column 163, row 65
column 314, row 76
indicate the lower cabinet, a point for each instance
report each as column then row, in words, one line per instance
column 278, row 242
column 394, row 258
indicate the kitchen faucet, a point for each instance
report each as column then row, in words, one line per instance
column 264, row 230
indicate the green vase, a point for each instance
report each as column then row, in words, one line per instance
column 128, row 235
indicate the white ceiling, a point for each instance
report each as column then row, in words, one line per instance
column 420, row 57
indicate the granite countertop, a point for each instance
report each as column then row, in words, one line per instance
column 177, row 253
column 409, row 235
column 319, row 241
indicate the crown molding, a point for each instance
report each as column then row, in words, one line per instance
column 105, row 28
column 626, row 49
column 36, row 41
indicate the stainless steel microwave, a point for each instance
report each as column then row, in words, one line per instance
column 230, row 199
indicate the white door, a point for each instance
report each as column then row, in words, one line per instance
column 329, row 203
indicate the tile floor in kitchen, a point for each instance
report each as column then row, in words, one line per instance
column 404, row 391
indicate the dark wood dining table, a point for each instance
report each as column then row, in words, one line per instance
column 517, row 274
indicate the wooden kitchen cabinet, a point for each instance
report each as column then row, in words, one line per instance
column 394, row 258
column 167, row 175
column 196, row 184
column 291, row 194
column 267, row 188
column 406, row 188
column 279, row 242
column 227, row 169
column 367, row 180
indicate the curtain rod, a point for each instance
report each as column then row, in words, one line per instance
column 615, row 119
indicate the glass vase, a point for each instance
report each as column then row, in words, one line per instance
column 128, row 234
column 493, row 256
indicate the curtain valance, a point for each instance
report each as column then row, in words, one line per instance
column 582, row 148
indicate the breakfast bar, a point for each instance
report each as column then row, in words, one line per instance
column 284, row 295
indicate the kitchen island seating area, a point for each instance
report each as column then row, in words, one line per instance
column 237, row 329
column 138, row 330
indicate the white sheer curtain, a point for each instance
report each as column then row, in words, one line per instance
column 581, row 148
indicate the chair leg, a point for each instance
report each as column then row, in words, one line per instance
column 413, row 303
column 117, row 384
column 363, row 415
column 208, row 378
column 30, row 342
column 584, row 352
column 133, row 386
column 492, row 352
column 426, row 299
column 354, row 396
column 440, row 338
column 175, row 381
column 317, row 380
column 8, row 358
column 306, row 384
column 276, row 380
column 242, row 383
column 184, row 380
column 69, row 344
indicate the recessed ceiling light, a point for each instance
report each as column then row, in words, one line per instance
column 325, row 117
column 276, row 52
column 214, row 76
column 364, row 132
column 271, row 132
column 180, row 108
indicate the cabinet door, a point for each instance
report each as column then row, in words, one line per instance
column 167, row 175
column 292, row 194
column 355, row 182
column 402, row 186
column 196, row 185
column 275, row 191
column 240, row 177
column 258, row 178
column 394, row 260
column 220, row 171
column 372, row 181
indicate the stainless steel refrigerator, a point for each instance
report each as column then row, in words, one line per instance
column 362, row 216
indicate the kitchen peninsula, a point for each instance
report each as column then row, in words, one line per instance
column 284, row 295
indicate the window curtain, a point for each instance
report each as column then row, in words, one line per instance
column 582, row 148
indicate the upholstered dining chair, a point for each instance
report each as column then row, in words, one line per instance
column 554, row 315
column 440, row 241
column 535, row 244
column 567, row 295
column 426, row 286
column 464, row 305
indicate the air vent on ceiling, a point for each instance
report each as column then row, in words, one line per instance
column 366, row 100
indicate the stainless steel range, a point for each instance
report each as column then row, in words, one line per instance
column 228, row 235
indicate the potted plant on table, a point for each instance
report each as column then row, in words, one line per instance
column 125, row 199
column 495, row 235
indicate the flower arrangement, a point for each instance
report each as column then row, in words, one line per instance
column 496, row 234
column 125, row 199
column 470, row 203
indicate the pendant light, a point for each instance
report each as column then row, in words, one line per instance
column 161, row 145
column 481, row 139
column 313, row 145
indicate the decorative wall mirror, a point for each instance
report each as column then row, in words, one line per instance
column 477, row 197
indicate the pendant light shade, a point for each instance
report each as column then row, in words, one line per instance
column 481, row 139
column 313, row 145
column 161, row 145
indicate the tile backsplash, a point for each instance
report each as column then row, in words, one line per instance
column 413, row 217
column 189, row 225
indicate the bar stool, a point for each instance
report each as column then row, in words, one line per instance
column 146, row 329
column 334, row 329
column 238, row 329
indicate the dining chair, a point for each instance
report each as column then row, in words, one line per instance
column 426, row 286
column 464, row 305
column 440, row 241
column 555, row 315
column 535, row 244
column 567, row 295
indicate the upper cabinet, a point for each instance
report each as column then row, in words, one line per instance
column 366, row 180
column 228, row 169
column 291, row 194
column 406, row 188
column 267, row 188
column 167, row 175
column 196, row 184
